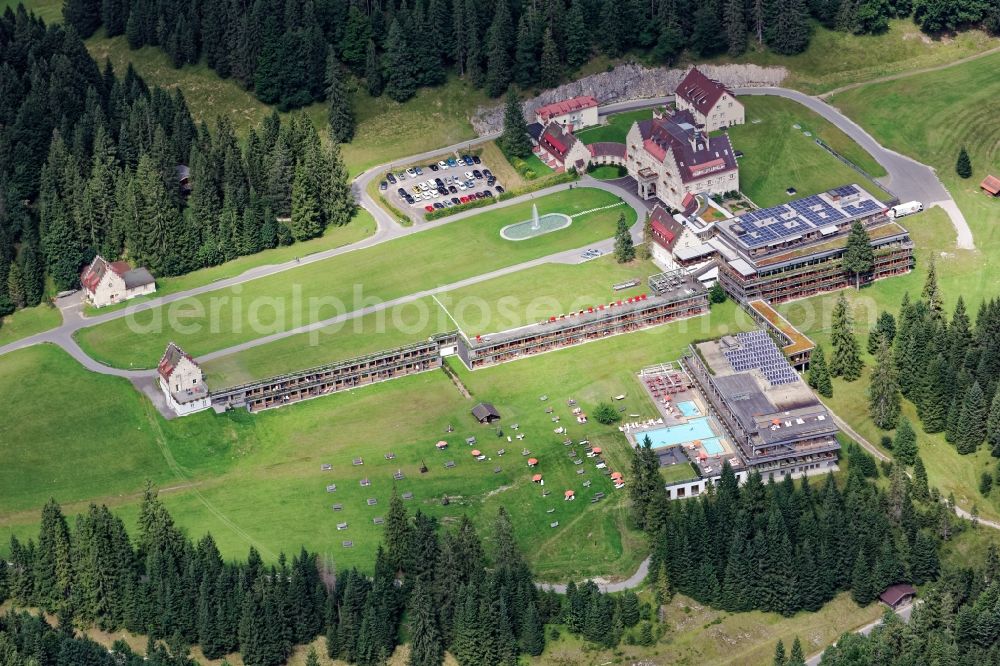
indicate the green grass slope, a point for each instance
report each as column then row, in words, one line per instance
column 461, row 249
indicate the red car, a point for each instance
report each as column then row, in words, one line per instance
column 464, row 199
column 429, row 209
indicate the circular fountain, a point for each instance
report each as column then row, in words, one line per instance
column 536, row 226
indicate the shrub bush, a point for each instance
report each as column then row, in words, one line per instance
column 606, row 413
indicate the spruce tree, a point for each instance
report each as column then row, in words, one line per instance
column 306, row 221
column 577, row 37
column 920, row 487
column 786, row 26
column 514, row 141
column 624, row 248
column 885, row 330
column 904, row 445
column 971, row 426
column 533, row 632
column 993, row 426
column 734, row 21
column 963, row 167
column 819, row 374
column 400, row 83
column 883, row 391
column 931, row 293
column 779, row 654
column 373, row 71
column 339, row 110
column 846, row 362
column 796, row 658
column 426, row 641
column 858, row 256
column 499, row 40
column 861, row 581
column 15, row 286
column 551, row 68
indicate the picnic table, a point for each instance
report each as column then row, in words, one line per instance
column 398, row 475
column 365, row 483
column 358, row 461
column 337, row 507
column 449, row 464
column 341, row 526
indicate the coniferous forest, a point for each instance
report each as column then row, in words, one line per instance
column 279, row 48
column 91, row 163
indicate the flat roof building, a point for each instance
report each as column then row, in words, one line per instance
column 777, row 423
column 795, row 249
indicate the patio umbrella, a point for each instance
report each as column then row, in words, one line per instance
column 476, row 453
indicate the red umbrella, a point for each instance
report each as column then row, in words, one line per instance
column 596, row 449
column 536, row 478
column 570, row 493
column 442, row 444
column 476, row 453
column 616, row 475
column 532, row 462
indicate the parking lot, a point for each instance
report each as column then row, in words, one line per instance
column 450, row 182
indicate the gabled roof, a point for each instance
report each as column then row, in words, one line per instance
column 896, row 593
column 535, row 131
column 696, row 154
column 550, row 111
column 556, row 141
column 484, row 411
column 700, row 91
column 99, row 267
column 168, row 362
column 607, row 148
column 991, row 184
column 666, row 230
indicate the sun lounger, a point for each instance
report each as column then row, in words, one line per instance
column 338, row 507
column 449, row 464
column 365, row 483
column 326, row 467
column 348, row 544
column 378, row 520
column 341, row 526
column 332, row 488
column 372, row 501
column 359, row 461
column 555, row 524
column 496, row 470
column 407, row 495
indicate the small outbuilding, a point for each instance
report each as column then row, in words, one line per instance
column 485, row 413
column 991, row 185
column 897, row 595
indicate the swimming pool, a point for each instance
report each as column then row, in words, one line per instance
column 681, row 434
column 712, row 446
column 689, row 408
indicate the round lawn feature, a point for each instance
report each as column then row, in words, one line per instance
column 529, row 229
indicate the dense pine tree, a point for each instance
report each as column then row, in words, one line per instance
column 340, row 112
column 514, row 141
column 819, row 374
column 971, row 427
column 883, row 390
column 859, row 258
column 846, row 361
column 963, row 166
column 624, row 247
column 904, row 444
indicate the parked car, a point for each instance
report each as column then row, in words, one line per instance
column 389, row 177
column 423, row 187
column 410, row 200
column 476, row 160
column 443, row 192
column 442, row 164
column 411, row 172
column 419, row 171
column 439, row 182
column 500, row 189
column 452, row 162
column 401, row 175
column 491, row 181
column 429, row 209
column 452, row 189
column 487, row 173
column 432, row 167
column 468, row 160
column 438, row 205
column 462, row 186
column 477, row 174
column 471, row 182
column 401, row 192
column 383, row 186
column 455, row 201
column 487, row 193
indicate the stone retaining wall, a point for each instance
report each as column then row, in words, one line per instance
column 630, row 82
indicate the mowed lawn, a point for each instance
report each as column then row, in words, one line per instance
column 510, row 301
column 777, row 156
column 257, row 479
column 362, row 226
column 432, row 258
column 27, row 322
column 48, row 10
column 616, row 127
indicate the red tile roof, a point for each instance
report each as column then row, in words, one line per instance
column 666, row 230
column 555, row 141
column 549, row 111
column 700, row 91
column 655, row 149
column 168, row 363
column 695, row 153
column 991, row 184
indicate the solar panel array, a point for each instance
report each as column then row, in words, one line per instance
column 779, row 223
column 757, row 351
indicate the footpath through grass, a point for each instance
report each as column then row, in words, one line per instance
column 277, row 303
column 27, row 322
column 777, row 156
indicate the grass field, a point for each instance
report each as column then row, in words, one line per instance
column 318, row 291
column 608, row 172
column 505, row 302
column 49, row 10
column 778, row 156
column 835, row 59
column 28, row 321
column 615, row 129
column 257, row 479
column 914, row 126
column 362, row 226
